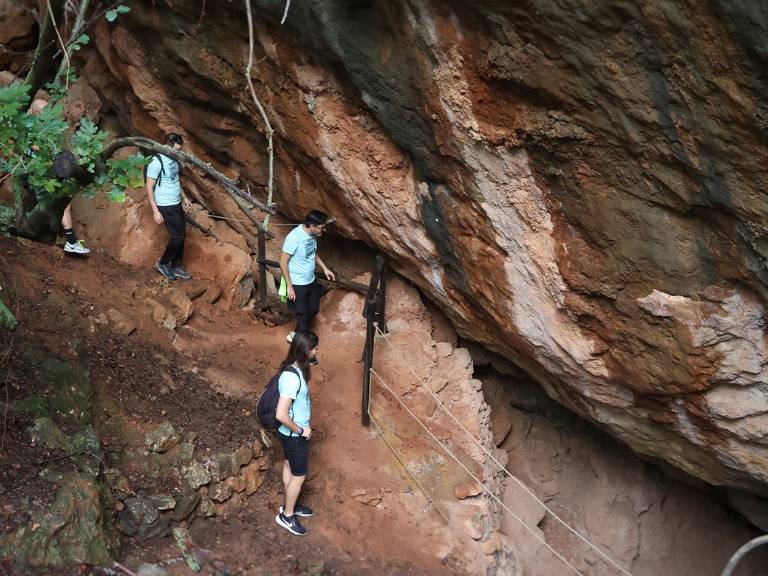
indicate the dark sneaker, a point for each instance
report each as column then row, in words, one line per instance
column 300, row 510
column 165, row 271
column 314, row 362
column 179, row 272
column 291, row 524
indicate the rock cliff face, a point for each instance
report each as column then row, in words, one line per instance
column 578, row 185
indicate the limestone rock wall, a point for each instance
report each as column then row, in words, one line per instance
column 578, row 185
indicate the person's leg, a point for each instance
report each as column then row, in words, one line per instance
column 300, row 307
column 292, row 492
column 174, row 224
column 314, row 295
column 73, row 245
column 286, row 474
column 66, row 221
column 179, row 256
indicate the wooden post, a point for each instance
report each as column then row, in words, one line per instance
column 262, row 266
column 382, row 320
column 365, row 418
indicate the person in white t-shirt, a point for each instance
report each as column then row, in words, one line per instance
column 164, row 193
column 297, row 262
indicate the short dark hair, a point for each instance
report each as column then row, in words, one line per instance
column 173, row 139
column 317, row 218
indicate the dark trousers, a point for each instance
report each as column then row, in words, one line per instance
column 307, row 304
column 173, row 217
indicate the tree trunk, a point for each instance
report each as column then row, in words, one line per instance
column 43, row 64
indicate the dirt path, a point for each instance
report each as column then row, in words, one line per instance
column 368, row 514
column 369, row 519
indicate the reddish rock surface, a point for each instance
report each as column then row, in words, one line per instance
column 579, row 187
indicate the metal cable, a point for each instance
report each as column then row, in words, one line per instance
column 407, row 471
column 475, row 478
column 502, row 467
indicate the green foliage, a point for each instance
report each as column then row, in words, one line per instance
column 88, row 144
column 112, row 15
column 29, row 144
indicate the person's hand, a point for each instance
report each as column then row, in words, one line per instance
column 307, row 433
column 158, row 217
column 291, row 293
column 329, row 274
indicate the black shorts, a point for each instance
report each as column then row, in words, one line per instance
column 296, row 449
column 307, row 298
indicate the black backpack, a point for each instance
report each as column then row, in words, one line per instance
column 162, row 169
column 266, row 406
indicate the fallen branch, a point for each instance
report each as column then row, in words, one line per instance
column 230, row 185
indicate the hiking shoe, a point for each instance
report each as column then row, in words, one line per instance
column 313, row 362
column 76, row 247
column 291, row 524
column 290, row 336
column 300, row 510
column 165, row 270
column 179, row 272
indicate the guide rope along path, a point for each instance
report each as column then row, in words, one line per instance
column 501, row 467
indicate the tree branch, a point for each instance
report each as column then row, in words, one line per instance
column 52, row 18
column 267, row 126
column 43, row 62
column 285, row 13
column 146, row 144
column 76, row 28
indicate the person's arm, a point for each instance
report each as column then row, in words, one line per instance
column 283, row 405
column 284, row 257
column 151, row 196
column 327, row 271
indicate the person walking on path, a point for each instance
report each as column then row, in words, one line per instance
column 293, row 413
column 164, row 193
column 297, row 263
column 72, row 244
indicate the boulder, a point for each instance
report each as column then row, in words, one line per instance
column 162, row 438
column 143, row 510
column 73, row 530
column 196, row 475
column 120, row 322
column 46, row 432
column 185, row 505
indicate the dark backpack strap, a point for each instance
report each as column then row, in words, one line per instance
column 162, row 168
column 295, row 371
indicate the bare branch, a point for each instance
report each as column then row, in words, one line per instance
column 285, row 14
column 61, row 41
column 76, row 29
column 230, row 185
column 267, row 126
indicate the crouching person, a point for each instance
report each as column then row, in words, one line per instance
column 293, row 413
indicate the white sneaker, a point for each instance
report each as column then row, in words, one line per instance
column 290, row 336
column 76, row 248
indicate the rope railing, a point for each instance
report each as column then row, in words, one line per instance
column 498, row 500
column 502, row 468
